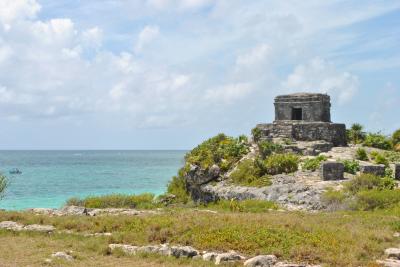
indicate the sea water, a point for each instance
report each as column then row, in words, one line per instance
column 49, row 178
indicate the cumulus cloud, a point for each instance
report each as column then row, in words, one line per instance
column 12, row 10
column 319, row 75
column 147, row 35
column 228, row 93
column 254, row 56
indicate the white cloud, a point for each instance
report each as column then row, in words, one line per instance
column 321, row 76
column 93, row 37
column 11, row 10
column 146, row 36
column 254, row 56
column 228, row 93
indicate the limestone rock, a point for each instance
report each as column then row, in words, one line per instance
column 185, row 251
column 261, row 261
column 148, row 249
column 389, row 263
column 376, row 169
column 73, row 210
column 9, row 225
column 40, row 228
column 397, row 171
column 62, row 255
column 228, row 257
column 210, row 256
column 393, row 253
column 128, row 249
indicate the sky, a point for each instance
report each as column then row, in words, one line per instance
column 167, row 74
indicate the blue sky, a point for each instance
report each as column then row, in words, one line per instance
column 166, row 74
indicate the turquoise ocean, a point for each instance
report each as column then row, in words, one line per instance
column 49, row 178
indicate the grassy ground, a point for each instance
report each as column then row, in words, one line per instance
column 336, row 239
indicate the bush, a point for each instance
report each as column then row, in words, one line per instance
column 378, row 140
column 256, row 133
column 221, row 150
column 396, row 137
column 381, row 159
column 351, row 166
column 377, row 199
column 361, row 154
column 313, row 163
column 250, row 173
column 3, row 185
column 333, row 199
column 355, row 134
column 368, row 182
column 267, row 148
column 282, row 163
column 392, row 156
column 142, row 201
column 177, row 187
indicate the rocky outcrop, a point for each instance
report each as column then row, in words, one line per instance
column 14, row 226
column 300, row 191
column 261, row 261
column 393, row 258
column 82, row 211
column 62, row 255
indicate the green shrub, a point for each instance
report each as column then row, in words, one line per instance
column 378, row 140
column 392, row 156
column 377, row 199
column 177, row 187
column 355, row 134
column 381, row 159
column 250, row 173
column 256, row 133
column 361, row 154
column 396, row 137
column 313, row 163
column 142, row 201
column 282, row 163
column 221, row 150
column 333, row 198
column 267, row 148
column 3, row 185
column 368, row 182
column 351, row 166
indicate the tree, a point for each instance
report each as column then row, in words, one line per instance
column 356, row 134
column 3, row 185
column 396, row 137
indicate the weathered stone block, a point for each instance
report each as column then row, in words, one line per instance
column 332, row 171
column 397, row 171
column 376, row 169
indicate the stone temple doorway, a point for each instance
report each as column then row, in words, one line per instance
column 297, row 114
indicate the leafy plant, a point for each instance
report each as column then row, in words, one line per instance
column 250, row 173
column 377, row 199
column 3, row 184
column 368, row 182
column 267, row 148
column 378, row 140
column 351, row 166
column 381, row 159
column 396, row 137
column 361, row 154
column 142, row 201
column 282, row 163
column 177, row 187
column 313, row 164
column 355, row 134
column 256, row 133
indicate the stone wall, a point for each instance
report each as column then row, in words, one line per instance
column 315, row 107
column 334, row 133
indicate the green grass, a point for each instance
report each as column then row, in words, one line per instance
column 335, row 239
column 143, row 201
column 377, row 199
column 282, row 163
column 313, row 164
column 251, row 206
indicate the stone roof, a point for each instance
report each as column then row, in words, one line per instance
column 303, row 97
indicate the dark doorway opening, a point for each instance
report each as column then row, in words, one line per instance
column 297, row 114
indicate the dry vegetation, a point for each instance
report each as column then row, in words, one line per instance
column 336, row 239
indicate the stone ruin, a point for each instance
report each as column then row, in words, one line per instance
column 305, row 118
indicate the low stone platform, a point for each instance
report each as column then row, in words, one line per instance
column 334, row 133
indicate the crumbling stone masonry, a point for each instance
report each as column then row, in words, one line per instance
column 332, row 171
column 304, row 117
column 397, row 171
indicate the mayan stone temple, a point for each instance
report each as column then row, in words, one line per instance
column 305, row 118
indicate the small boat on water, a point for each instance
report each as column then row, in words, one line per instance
column 15, row 171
